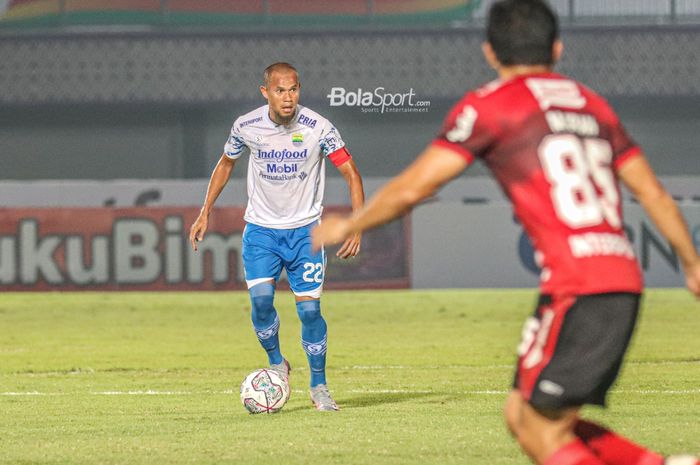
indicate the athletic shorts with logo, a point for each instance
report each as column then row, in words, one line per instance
column 266, row 251
column 572, row 348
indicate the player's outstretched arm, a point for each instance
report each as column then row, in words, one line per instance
column 351, row 246
column 638, row 176
column 218, row 180
column 430, row 171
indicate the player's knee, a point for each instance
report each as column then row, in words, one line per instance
column 262, row 298
column 520, row 422
column 541, row 432
column 529, row 437
column 309, row 312
column 262, row 306
column 511, row 412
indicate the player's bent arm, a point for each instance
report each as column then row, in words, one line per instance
column 349, row 171
column 432, row 169
column 219, row 178
column 639, row 177
column 217, row 182
column 353, row 179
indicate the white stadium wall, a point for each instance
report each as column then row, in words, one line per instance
column 458, row 245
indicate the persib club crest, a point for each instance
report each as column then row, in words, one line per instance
column 297, row 139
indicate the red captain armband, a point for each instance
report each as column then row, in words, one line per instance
column 340, row 156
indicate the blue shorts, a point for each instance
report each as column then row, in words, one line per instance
column 266, row 251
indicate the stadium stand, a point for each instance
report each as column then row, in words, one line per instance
column 235, row 12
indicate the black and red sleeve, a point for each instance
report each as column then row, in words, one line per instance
column 465, row 130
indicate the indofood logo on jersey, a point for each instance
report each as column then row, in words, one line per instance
column 378, row 100
column 285, row 167
column 283, row 155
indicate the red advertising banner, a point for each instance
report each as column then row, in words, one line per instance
column 148, row 249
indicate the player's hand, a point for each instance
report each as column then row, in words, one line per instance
column 692, row 279
column 351, row 247
column 199, row 227
column 332, row 230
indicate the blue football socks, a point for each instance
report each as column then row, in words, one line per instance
column 265, row 320
column 314, row 339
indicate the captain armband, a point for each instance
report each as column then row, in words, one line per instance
column 340, row 156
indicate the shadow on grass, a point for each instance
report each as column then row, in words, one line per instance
column 370, row 400
column 374, row 399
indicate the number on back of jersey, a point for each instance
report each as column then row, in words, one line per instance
column 575, row 168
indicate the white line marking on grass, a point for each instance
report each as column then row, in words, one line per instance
column 422, row 391
column 657, row 391
column 142, row 393
column 502, row 392
column 663, row 362
column 150, row 392
column 30, row 393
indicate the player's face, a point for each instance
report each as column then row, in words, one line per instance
column 282, row 94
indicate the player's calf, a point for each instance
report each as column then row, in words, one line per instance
column 314, row 339
column 511, row 412
column 265, row 320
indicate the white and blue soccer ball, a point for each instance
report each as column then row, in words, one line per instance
column 264, row 391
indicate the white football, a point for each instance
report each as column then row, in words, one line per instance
column 264, row 391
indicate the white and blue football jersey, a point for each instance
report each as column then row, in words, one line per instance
column 286, row 169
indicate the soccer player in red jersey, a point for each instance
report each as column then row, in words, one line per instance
column 557, row 149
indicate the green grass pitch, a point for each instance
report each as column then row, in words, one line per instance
column 421, row 376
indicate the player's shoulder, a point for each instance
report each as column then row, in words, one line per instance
column 249, row 119
column 496, row 90
column 480, row 94
column 311, row 119
column 493, row 94
column 540, row 91
column 485, row 101
column 489, row 90
column 598, row 104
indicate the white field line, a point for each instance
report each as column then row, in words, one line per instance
column 27, row 394
column 353, row 391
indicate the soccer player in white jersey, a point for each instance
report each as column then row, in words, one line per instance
column 287, row 145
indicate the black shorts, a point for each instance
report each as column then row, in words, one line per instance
column 572, row 348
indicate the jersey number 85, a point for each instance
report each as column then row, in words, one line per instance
column 584, row 192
